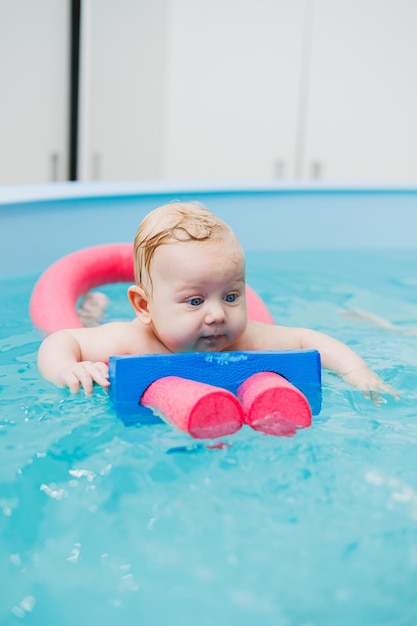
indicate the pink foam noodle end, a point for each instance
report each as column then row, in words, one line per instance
column 203, row 411
column 273, row 405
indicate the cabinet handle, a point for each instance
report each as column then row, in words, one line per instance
column 279, row 169
column 96, row 163
column 316, row 169
column 54, row 167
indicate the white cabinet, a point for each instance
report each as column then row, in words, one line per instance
column 295, row 89
column 233, row 73
column 34, row 79
column 123, row 94
column 361, row 115
column 190, row 89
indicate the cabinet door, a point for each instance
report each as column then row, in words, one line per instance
column 122, row 88
column 233, row 81
column 362, row 122
column 34, row 78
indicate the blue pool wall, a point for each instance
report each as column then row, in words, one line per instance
column 39, row 224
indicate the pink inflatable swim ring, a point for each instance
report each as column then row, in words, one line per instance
column 53, row 305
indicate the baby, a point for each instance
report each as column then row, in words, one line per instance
column 189, row 296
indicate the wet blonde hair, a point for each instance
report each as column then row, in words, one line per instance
column 176, row 222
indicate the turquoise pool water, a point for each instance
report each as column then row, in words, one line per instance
column 105, row 524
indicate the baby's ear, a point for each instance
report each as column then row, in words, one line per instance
column 139, row 301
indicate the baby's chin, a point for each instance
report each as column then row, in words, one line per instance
column 213, row 343
column 205, row 344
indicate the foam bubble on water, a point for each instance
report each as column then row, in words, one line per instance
column 8, row 505
column 399, row 491
column 53, row 492
column 26, row 606
column 80, row 473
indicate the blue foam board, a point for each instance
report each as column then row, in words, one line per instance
column 131, row 375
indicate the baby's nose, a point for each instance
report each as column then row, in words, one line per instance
column 215, row 313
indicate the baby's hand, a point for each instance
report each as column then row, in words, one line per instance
column 84, row 374
column 370, row 383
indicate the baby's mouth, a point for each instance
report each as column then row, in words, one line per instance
column 212, row 338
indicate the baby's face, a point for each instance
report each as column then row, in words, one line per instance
column 198, row 298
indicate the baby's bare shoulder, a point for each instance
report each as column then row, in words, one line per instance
column 130, row 337
column 115, row 338
column 260, row 336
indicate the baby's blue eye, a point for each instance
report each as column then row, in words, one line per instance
column 231, row 297
column 195, row 301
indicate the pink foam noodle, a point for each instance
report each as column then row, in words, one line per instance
column 273, row 405
column 201, row 410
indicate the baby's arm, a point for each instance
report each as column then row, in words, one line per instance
column 345, row 362
column 78, row 358
column 334, row 354
column 61, row 361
